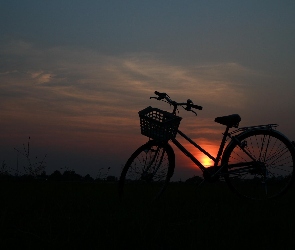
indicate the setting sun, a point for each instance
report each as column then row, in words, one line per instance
column 206, row 161
column 212, row 149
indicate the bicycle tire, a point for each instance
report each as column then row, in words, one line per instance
column 147, row 172
column 272, row 171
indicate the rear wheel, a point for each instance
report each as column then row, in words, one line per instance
column 259, row 164
column 147, row 172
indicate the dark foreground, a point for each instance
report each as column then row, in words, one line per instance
column 76, row 215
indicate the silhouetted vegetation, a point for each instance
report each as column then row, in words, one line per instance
column 67, row 176
column 65, row 210
column 194, row 180
column 30, row 168
column 88, row 215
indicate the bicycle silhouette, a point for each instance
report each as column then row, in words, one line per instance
column 256, row 163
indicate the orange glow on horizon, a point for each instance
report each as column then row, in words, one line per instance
column 206, row 161
column 210, row 146
column 211, row 149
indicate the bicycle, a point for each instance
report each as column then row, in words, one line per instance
column 256, row 163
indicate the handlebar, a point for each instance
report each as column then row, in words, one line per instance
column 188, row 105
column 160, row 95
column 192, row 105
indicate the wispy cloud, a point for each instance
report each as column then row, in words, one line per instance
column 75, row 98
column 73, row 82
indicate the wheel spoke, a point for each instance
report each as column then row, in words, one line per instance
column 145, row 174
column 272, row 171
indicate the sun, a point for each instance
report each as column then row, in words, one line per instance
column 206, row 161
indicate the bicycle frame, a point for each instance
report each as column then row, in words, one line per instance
column 257, row 162
column 220, row 151
column 193, row 158
column 188, row 106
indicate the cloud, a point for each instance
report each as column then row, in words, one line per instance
column 41, row 77
column 76, row 86
column 82, row 101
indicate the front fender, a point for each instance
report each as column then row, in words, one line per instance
column 171, row 156
column 170, row 153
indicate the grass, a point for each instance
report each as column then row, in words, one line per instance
column 76, row 215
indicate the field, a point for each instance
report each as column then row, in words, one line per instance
column 81, row 215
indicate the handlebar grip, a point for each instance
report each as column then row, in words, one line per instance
column 190, row 105
column 197, row 107
column 161, row 95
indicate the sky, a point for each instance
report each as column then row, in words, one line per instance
column 74, row 74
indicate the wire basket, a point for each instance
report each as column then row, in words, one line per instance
column 158, row 124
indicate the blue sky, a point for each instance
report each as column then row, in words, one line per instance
column 73, row 74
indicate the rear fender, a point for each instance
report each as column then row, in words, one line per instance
column 244, row 134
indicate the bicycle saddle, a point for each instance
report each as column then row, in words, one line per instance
column 229, row 120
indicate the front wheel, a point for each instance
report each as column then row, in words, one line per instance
column 147, row 172
column 259, row 164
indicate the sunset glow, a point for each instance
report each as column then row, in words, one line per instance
column 206, row 161
column 73, row 78
column 211, row 149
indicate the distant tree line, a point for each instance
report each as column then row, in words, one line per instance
column 68, row 175
column 29, row 167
